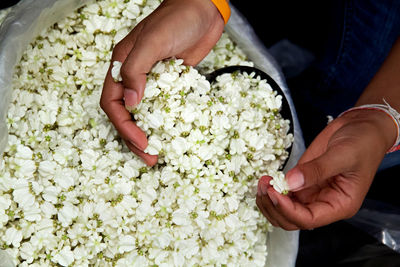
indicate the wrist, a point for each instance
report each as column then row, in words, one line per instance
column 205, row 10
column 381, row 122
column 223, row 8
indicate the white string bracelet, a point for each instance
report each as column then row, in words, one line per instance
column 388, row 110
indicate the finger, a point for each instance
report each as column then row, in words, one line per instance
column 264, row 212
column 112, row 98
column 312, row 215
column 120, row 53
column 111, row 103
column 268, row 206
column 152, row 46
column 336, row 160
column 134, row 71
column 306, row 195
column 150, row 160
column 263, row 182
column 274, row 215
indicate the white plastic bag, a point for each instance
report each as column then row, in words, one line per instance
column 29, row 17
column 243, row 34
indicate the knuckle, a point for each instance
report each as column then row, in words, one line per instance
column 127, row 69
column 127, row 72
column 103, row 104
column 351, row 212
column 117, row 48
column 314, row 172
column 259, row 202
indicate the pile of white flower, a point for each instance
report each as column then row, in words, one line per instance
column 72, row 194
column 232, row 125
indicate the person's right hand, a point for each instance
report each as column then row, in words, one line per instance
column 334, row 174
column 185, row 29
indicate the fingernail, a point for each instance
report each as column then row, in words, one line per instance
column 295, row 180
column 138, row 146
column 130, row 108
column 271, row 196
column 131, row 99
column 264, row 188
column 259, row 193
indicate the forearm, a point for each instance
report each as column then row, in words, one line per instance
column 386, row 82
column 385, row 86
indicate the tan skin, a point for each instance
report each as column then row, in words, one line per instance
column 189, row 36
column 340, row 164
column 332, row 177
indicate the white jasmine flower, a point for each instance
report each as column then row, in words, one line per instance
column 27, row 251
column 99, row 23
column 50, row 194
column 237, row 146
column 154, row 146
column 33, row 213
column 67, row 213
column 188, row 247
column 89, row 58
column 180, row 145
column 23, row 167
column 63, row 154
column 233, row 203
column 48, row 209
column 180, row 217
column 65, row 257
column 12, row 236
column 23, row 152
column 22, row 194
column 5, row 202
column 131, row 10
column 65, row 179
column 126, row 243
column 115, row 71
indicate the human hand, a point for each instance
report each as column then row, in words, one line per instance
column 333, row 176
column 177, row 28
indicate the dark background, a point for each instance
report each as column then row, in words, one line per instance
column 7, row 3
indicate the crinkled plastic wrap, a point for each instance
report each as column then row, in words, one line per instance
column 380, row 220
column 28, row 18
column 25, row 21
column 243, row 34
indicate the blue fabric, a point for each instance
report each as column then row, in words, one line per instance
column 390, row 160
column 369, row 29
column 360, row 37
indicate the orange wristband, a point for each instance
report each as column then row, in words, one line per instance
column 223, row 8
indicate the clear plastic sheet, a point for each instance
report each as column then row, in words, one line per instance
column 380, row 220
column 25, row 21
column 28, row 18
column 243, row 34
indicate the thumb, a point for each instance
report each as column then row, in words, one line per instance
column 134, row 70
column 333, row 162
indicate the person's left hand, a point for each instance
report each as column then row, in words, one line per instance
column 333, row 176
